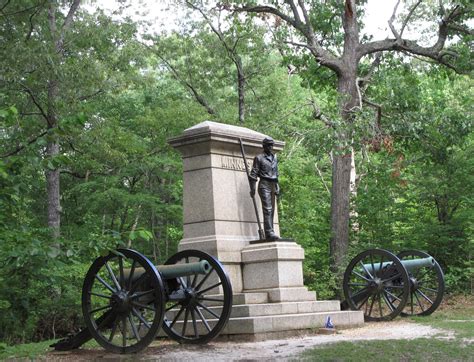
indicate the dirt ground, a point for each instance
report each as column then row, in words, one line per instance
column 280, row 349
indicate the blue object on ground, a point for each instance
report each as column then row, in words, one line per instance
column 328, row 323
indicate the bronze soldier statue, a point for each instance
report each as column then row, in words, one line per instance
column 265, row 167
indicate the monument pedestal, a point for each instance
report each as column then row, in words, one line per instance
column 274, row 301
column 219, row 218
column 275, row 268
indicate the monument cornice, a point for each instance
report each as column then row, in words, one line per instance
column 209, row 131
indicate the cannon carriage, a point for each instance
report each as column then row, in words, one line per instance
column 126, row 300
column 384, row 285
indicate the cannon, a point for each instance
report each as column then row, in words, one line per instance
column 384, row 285
column 126, row 300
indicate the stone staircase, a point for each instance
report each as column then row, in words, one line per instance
column 254, row 317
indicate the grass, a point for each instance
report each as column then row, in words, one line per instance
column 456, row 315
column 28, row 350
column 421, row 349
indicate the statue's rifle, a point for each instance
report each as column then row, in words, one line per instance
column 260, row 230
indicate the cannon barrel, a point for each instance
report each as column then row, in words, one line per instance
column 173, row 271
column 181, row 270
column 410, row 265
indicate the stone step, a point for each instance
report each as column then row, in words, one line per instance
column 288, row 322
column 286, row 294
column 258, row 326
column 268, row 309
column 265, row 309
column 249, row 298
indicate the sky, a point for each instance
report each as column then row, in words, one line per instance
column 163, row 18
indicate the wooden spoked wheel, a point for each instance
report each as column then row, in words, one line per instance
column 123, row 301
column 426, row 286
column 199, row 305
column 377, row 283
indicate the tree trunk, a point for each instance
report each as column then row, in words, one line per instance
column 353, row 214
column 53, row 147
column 341, row 173
column 241, row 89
column 52, row 175
column 52, row 180
column 134, row 226
column 340, row 197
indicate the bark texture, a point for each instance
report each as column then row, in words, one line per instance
column 53, row 147
column 340, row 196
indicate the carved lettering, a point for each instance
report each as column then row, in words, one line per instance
column 233, row 163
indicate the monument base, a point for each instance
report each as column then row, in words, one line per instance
column 274, row 299
column 254, row 317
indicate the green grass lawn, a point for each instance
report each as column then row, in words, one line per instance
column 23, row 351
column 456, row 315
column 421, row 349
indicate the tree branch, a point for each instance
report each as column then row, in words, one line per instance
column 31, row 22
column 86, row 97
column 292, row 111
column 294, row 9
column 434, row 52
column 190, row 87
column 4, row 5
column 30, row 114
column 461, row 29
column 19, row 11
column 67, row 23
column 322, row 178
column 365, row 80
column 392, row 19
column 318, row 114
column 52, row 19
column 271, row 10
column 298, row 44
column 378, row 112
column 412, row 10
column 35, row 101
column 322, row 56
column 22, row 146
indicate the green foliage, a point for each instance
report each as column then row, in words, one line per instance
column 121, row 183
column 417, row 186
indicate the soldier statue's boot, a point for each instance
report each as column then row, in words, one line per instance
column 271, row 236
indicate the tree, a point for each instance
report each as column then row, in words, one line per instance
column 47, row 107
column 56, row 60
column 204, row 66
column 416, row 192
column 343, row 52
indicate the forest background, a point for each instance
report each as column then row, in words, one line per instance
column 88, row 100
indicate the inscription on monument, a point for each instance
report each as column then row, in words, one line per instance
column 233, row 163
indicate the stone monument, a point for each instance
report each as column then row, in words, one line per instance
column 219, row 218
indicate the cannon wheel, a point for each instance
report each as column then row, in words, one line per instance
column 377, row 283
column 426, row 286
column 205, row 310
column 123, row 301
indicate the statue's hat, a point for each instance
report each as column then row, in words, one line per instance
column 268, row 141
